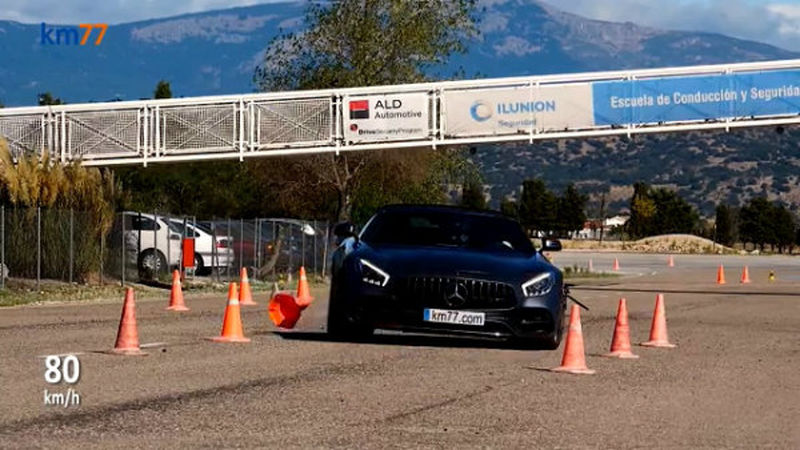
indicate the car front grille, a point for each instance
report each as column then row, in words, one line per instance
column 456, row 293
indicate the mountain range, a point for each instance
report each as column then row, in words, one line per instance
column 216, row 52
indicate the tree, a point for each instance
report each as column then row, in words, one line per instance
column 754, row 220
column 163, row 90
column 784, row 227
column 363, row 43
column 472, row 195
column 537, row 206
column 673, row 213
column 508, row 207
column 571, row 213
column 643, row 210
column 46, row 98
column 724, row 224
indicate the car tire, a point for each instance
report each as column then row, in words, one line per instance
column 341, row 324
column 151, row 263
column 199, row 267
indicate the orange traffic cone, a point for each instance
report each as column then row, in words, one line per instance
column 176, row 294
column 245, row 294
column 591, row 267
column 621, row 342
column 232, row 322
column 127, row 335
column 658, row 329
column 671, row 261
column 721, row 275
column 304, row 297
column 283, row 310
column 616, row 264
column 745, row 276
column 574, row 360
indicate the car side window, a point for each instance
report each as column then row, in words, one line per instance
column 144, row 224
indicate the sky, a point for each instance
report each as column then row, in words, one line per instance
column 775, row 22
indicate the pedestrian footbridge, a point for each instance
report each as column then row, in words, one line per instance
column 577, row 105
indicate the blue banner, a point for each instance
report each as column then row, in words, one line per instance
column 680, row 99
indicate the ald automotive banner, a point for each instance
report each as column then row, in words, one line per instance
column 386, row 117
column 696, row 98
column 517, row 110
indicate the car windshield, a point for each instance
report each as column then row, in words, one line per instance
column 447, row 229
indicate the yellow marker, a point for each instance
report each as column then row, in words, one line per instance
column 771, row 275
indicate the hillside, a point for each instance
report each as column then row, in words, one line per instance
column 705, row 168
column 215, row 52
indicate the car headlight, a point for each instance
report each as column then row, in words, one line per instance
column 372, row 274
column 539, row 285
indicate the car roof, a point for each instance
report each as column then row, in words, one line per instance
column 441, row 208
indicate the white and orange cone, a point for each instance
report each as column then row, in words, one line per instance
column 621, row 342
column 658, row 329
column 574, row 360
column 127, row 335
column 232, row 321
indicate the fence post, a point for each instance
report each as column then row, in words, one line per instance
column 274, row 248
column 71, row 244
column 214, row 251
column 315, row 248
column 122, row 226
column 257, row 232
column 302, row 245
column 169, row 243
column 3, row 246
column 325, row 247
column 38, row 246
column 102, row 256
column 230, row 250
column 241, row 245
column 155, row 242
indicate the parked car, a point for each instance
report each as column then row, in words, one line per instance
column 151, row 243
column 208, row 254
column 447, row 270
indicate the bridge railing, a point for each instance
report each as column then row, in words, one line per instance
column 444, row 113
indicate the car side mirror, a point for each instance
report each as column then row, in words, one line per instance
column 551, row 245
column 344, row 230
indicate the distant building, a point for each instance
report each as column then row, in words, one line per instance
column 591, row 228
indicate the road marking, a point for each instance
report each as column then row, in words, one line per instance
column 153, row 344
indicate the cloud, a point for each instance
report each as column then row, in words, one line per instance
column 772, row 22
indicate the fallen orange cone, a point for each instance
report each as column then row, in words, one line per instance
column 745, row 276
column 245, row 293
column 176, row 294
column 304, row 297
column 721, row 275
column 127, row 335
column 574, row 360
column 658, row 329
column 283, row 310
column 621, row 342
column 232, row 321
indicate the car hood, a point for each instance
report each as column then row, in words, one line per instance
column 432, row 261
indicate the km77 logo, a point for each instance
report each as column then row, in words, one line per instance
column 70, row 35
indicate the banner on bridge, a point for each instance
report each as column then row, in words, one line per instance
column 378, row 118
column 683, row 99
column 517, row 110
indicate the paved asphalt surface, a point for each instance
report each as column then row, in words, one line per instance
column 733, row 380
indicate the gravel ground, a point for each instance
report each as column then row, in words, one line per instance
column 733, row 380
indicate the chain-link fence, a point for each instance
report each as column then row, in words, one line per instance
column 66, row 245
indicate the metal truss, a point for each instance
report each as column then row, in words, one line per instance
column 302, row 122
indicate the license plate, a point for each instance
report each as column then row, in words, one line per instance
column 454, row 317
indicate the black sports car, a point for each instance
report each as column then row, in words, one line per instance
column 445, row 269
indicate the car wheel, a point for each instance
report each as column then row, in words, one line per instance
column 151, row 263
column 341, row 324
column 199, row 267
